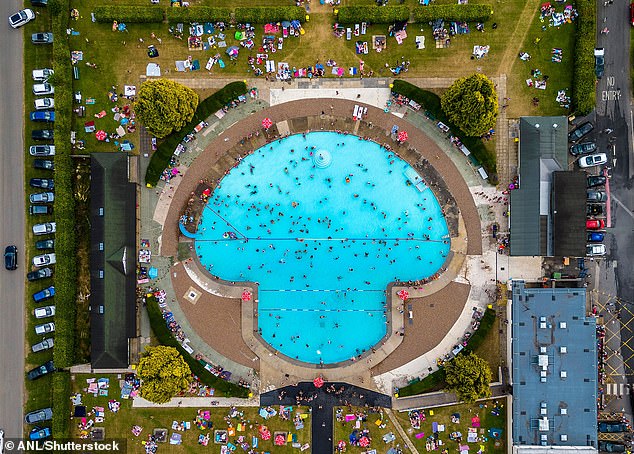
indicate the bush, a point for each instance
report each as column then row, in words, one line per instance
column 165, row 337
column 161, row 157
column 466, row 13
column 486, row 323
column 65, row 276
column 130, row 14
column 198, row 14
column 373, row 14
column 264, row 15
column 61, row 389
column 431, row 103
column 584, row 78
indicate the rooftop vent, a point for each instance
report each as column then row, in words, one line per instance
column 555, row 125
column 542, row 350
column 563, row 325
column 563, row 411
column 542, row 325
column 543, row 437
column 544, row 424
column 563, row 349
column 563, row 437
column 536, row 125
column 563, row 374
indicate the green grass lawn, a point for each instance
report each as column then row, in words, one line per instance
column 119, row 425
column 343, row 430
column 442, row 416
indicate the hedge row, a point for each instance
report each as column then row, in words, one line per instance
column 130, row 14
column 466, row 13
column 373, row 14
column 431, row 103
column 165, row 337
column 198, row 14
column 161, row 157
column 65, row 276
column 584, row 78
column 264, row 15
column 61, row 390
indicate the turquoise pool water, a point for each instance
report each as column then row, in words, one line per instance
column 323, row 222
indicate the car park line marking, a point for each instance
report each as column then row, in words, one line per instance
column 627, row 210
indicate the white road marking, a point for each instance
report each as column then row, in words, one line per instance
column 627, row 210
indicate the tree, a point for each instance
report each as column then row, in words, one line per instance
column 163, row 373
column 468, row 376
column 471, row 103
column 164, row 106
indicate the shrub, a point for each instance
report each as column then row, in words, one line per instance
column 486, row 323
column 466, row 13
column 65, row 269
column 373, row 14
column 431, row 103
column 471, row 103
column 198, row 14
column 264, row 15
column 161, row 157
column 61, row 389
column 130, row 14
column 583, row 78
column 165, row 337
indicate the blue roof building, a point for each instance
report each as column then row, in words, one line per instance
column 554, row 370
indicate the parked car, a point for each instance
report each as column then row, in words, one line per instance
column 42, row 183
column 36, row 275
column 595, row 237
column 594, row 210
column 608, row 446
column 21, row 18
column 580, row 132
column 612, row 427
column 593, row 160
column 596, row 180
column 583, row 148
column 43, row 115
column 596, row 196
column 45, row 294
column 38, row 433
column 42, row 38
column 44, row 244
column 44, row 228
column 43, row 89
column 39, row 2
column 44, row 414
column 45, row 328
column 44, row 103
column 40, row 371
column 44, row 260
column 594, row 250
column 40, row 75
column 11, row 257
column 595, row 224
column 599, row 62
column 42, row 134
column 43, row 164
column 42, row 197
column 45, row 344
column 44, row 312
column 42, row 150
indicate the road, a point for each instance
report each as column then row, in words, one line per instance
column 12, row 225
column 614, row 111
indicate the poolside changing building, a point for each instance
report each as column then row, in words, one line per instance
column 554, row 371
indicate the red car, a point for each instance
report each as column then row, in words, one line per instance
column 595, row 224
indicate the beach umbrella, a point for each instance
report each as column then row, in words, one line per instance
column 101, row 135
column 341, row 445
column 246, row 295
column 403, row 294
column 318, row 382
column 207, row 192
column 233, row 51
column 267, row 123
column 364, row 442
column 280, row 440
column 152, row 273
column 286, row 23
column 402, row 136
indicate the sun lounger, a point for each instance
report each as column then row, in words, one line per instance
column 357, row 29
column 364, row 28
column 348, row 33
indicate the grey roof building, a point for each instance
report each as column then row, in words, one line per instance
column 543, row 150
column 112, row 260
column 554, row 370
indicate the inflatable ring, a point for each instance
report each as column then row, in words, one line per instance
column 225, row 235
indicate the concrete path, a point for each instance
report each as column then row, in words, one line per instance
column 440, row 399
column 198, row 402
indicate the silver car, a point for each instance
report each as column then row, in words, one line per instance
column 45, row 344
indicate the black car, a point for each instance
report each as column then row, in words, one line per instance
column 44, row 244
column 42, row 273
column 594, row 210
column 40, row 371
column 599, row 62
column 596, row 180
column 42, row 38
column 43, row 414
column 583, row 148
column 580, row 132
column 42, row 134
column 607, row 446
column 612, row 427
column 44, row 164
column 11, row 257
column 40, row 209
column 596, row 196
column 44, row 183
column 39, row 2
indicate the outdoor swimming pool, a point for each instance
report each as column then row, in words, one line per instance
column 323, row 222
